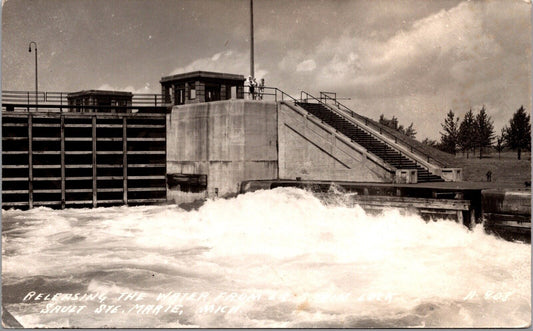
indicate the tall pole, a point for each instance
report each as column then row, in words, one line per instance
column 36, row 75
column 252, row 38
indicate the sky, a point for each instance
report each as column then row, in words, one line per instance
column 414, row 59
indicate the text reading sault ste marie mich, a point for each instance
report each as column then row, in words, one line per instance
column 176, row 302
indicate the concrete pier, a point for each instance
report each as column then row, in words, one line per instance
column 507, row 213
column 237, row 140
column 227, row 141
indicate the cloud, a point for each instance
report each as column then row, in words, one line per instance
column 217, row 56
column 146, row 89
column 306, row 65
column 227, row 61
column 414, row 58
column 455, row 58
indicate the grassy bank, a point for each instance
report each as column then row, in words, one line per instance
column 506, row 169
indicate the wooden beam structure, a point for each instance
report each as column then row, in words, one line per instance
column 92, row 159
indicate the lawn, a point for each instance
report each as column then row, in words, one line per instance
column 505, row 169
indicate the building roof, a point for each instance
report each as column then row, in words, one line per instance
column 99, row 93
column 203, row 74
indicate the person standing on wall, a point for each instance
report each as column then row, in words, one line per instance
column 255, row 85
column 251, row 87
column 261, row 89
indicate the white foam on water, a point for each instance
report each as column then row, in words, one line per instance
column 300, row 262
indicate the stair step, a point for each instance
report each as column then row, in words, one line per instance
column 366, row 140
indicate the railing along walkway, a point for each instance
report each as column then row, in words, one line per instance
column 344, row 111
column 31, row 98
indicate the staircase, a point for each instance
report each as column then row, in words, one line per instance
column 366, row 140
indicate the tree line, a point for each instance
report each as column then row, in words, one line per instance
column 476, row 131
column 394, row 124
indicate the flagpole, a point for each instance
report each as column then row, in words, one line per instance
column 252, row 38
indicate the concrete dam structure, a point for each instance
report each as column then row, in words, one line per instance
column 205, row 137
column 200, row 136
column 230, row 141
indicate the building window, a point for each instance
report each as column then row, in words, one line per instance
column 171, row 94
column 180, row 94
column 192, row 91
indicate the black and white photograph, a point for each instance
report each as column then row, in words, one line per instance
column 266, row 163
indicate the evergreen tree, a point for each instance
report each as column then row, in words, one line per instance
column 410, row 131
column 448, row 138
column 382, row 119
column 430, row 142
column 484, row 130
column 394, row 124
column 401, row 129
column 518, row 134
column 467, row 132
column 500, row 140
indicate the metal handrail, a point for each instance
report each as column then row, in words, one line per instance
column 325, row 96
column 396, row 138
column 62, row 108
column 308, row 95
column 279, row 95
column 58, row 101
column 29, row 97
column 388, row 167
column 60, row 98
column 285, row 94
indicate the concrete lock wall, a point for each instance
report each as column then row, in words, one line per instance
column 506, row 201
column 229, row 141
column 236, row 140
column 311, row 150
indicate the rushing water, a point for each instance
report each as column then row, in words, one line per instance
column 279, row 258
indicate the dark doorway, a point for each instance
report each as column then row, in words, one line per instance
column 212, row 93
column 187, row 183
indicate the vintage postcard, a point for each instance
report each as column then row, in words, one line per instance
column 266, row 164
